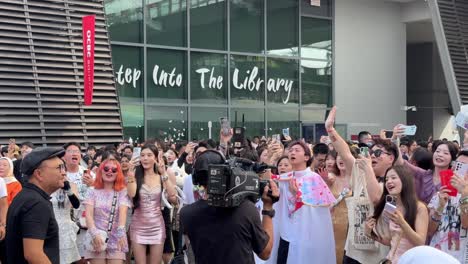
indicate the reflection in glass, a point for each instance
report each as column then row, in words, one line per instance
column 125, row 20
column 128, row 65
column 247, row 80
column 167, row 122
column 200, row 118
column 208, row 24
column 280, row 118
column 282, row 82
column 316, row 83
column 208, row 78
column 132, row 119
column 254, row 120
column 166, row 76
column 316, row 38
column 166, row 22
column 247, row 31
column 282, row 27
column 325, row 8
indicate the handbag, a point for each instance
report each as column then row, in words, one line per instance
column 88, row 241
column 359, row 208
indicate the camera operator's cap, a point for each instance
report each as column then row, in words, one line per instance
column 38, row 155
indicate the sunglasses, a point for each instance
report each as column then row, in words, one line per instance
column 107, row 169
column 378, row 152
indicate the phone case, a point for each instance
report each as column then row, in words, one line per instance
column 410, row 130
column 460, row 168
column 286, row 132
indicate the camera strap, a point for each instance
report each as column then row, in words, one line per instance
column 112, row 215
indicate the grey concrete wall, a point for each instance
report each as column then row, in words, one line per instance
column 370, row 64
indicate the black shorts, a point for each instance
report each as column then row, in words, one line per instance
column 169, row 242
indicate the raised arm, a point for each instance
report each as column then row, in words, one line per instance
column 338, row 142
column 374, row 189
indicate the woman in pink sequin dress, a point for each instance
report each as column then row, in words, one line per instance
column 145, row 186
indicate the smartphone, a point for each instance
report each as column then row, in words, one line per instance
column 136, row 152
column 276, row 137
column 410, row 130
column 460, row 168
column 388, row 133
column 389, row 207
column 286, row 132
column 225, row 126
column 364, row 151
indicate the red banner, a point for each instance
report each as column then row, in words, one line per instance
column 88, row 58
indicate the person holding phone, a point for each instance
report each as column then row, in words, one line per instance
column 147, row 180
column 449, row 216
column 407, row 224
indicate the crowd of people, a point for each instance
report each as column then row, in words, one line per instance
column 378, row 200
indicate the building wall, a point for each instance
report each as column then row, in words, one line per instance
column 370, row 64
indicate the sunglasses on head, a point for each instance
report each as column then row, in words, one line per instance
column 107, row 169
column 378, row 152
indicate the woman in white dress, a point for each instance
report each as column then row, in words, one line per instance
column 67, row 228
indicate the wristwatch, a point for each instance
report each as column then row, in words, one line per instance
column 270, row 213
column 164, row 177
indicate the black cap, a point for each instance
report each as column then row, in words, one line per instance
column 28, row 143
column 38, row 155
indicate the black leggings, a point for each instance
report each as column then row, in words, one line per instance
column 283, row 251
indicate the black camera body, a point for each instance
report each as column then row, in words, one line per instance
column 231, row 183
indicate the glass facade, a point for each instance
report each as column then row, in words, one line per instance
column 180, row 65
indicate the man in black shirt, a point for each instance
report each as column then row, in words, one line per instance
column 227, row 235
column 32, row 231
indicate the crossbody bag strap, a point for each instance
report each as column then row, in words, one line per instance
column 112, row 215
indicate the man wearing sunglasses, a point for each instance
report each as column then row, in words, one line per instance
column 32, row 231
column 383, row 154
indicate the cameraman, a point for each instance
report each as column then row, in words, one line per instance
column 227, row 235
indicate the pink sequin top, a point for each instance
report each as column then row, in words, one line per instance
column 101, row 200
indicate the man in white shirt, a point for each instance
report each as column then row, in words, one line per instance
column 84, row 180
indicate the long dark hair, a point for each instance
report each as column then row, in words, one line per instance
column 407, row 195
column 140, row 174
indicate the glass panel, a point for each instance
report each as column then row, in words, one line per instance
column 208, row 78
column 313, row 115
column 282, row 27
column 247, row 31
column 167, row 122
column 316, row 38
column 132, row 119
column 316, row 83
column 125, row 20
column 325, row 8
column 200, row 118
column 208, row 24
column 128, row 62
column 166, row 22
column 166, row 78
column 283, row 82
column 247, row 80
column 254, row 120
column 283, row 118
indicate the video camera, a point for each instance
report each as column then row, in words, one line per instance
column 231, row 183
